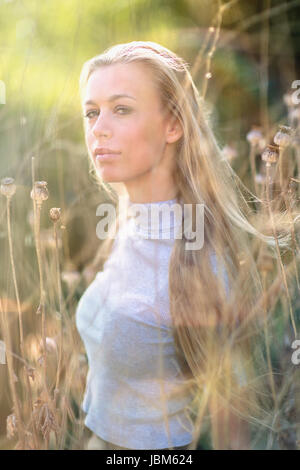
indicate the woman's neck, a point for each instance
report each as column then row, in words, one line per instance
column 155, row 187
column 142, row 196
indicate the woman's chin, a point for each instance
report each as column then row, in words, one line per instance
column 108, row 176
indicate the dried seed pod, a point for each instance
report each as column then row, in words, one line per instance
column 292, row 192
column 293, row 185
column 270, row 154
column 8, row 187
column 229, row 152
column 39, row 192
column 287, row 129
column 55, row 213
column 283, row 136
column 11, row 425
column 254, row 136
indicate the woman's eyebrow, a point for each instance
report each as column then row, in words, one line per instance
column 112, row 98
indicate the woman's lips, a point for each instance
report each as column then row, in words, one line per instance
column 107, row 157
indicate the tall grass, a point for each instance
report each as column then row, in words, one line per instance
column 50, row 262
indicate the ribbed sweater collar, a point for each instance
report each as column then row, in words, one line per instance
column 154, row 218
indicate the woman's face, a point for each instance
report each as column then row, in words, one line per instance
column 133, row 125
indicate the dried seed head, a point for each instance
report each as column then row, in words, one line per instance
column 39, row 193
column 8, row 187
column 286, row 129
column 293, row 185
column 11, row 425
column 283, row 136
column 254, row 136
column 270, row 154
column 292, row 191
column 229, row 152
column 55, row 213
column 44, row 417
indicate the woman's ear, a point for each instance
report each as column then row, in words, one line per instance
column 174, row 130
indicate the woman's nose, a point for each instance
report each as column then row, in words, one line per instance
column 101, row 127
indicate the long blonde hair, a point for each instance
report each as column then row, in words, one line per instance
column 214, row 332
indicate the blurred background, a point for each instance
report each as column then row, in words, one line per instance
column 43, row 46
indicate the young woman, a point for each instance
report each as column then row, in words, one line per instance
column 169, row 330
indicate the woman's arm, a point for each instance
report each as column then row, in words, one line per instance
column 228, row 431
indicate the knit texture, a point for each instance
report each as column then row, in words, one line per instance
column 136, row 394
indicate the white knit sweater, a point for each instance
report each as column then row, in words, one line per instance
column 136, row 396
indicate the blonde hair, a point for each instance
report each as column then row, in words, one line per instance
column 213, row 332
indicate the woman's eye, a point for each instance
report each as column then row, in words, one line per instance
column 89, row 114
column 124, row 108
